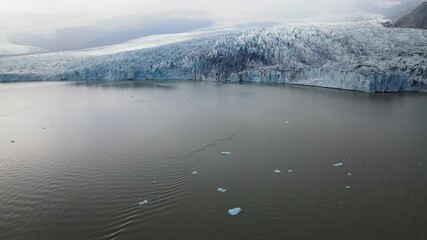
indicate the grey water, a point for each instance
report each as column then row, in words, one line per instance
column 76, row 159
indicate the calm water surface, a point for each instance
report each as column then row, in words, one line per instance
column 76, row 159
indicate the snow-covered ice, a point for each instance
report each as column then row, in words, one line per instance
column 361, row 55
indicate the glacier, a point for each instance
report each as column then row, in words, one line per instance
column 360, row 56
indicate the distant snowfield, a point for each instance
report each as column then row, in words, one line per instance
column 362, row 56
column 13, row 49
column 141, row 43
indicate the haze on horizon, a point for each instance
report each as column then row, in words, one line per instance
column 73, row 24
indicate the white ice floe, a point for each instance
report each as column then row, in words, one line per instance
column 234, row 211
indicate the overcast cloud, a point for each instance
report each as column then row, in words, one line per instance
column 44, row 23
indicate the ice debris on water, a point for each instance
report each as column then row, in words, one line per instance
column 287, row 122
column 349, row 174
column 277, row 171
column 225, row 153
column 222, row 190
column 234, row 211
column 143, row 202
column 195, row 173
column 347, row 187
column 338, row 164
column 290, row 171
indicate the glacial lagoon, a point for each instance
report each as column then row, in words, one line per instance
column 116, row 160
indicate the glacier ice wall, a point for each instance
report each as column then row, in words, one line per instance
column 362, row 56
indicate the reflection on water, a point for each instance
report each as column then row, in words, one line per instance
column 125, row 84
column 76, row 159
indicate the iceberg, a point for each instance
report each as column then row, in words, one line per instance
column 234, row 211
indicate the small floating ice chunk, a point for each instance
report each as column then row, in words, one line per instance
column 234, row 211
column 222, row 190
column 195, row 173
column 290, row 171
column 349, row 174
column 347, row 187
column 154, row 181
column 338, row 164
column 277, row 171
column 288, row 122
column 143, row 202
column 225, row 153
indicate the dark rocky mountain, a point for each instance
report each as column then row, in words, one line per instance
column 396, row 11
column 415, row 19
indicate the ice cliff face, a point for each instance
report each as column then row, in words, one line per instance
column 362, row 56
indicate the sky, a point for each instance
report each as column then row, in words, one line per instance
column 48, row 23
